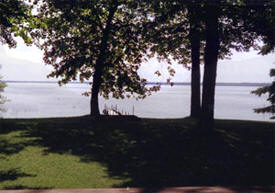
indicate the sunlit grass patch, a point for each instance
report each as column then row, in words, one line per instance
column 82, row 152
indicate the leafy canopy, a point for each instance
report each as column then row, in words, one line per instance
column 13, row 13
column 242, row 26
column 70, row 34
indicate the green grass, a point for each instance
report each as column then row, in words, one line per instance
column 81, row 152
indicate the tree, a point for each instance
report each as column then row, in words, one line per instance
column 12, row 15
column 270, row 90
column 177, row 31
column 211, row 53
column 98, row 39
column 183, row 28
column 249, row 22
column 230, row 25
column 195, row 42
column 268, row 47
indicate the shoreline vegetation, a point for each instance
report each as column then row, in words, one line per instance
column 127, row 151
column 150, row 83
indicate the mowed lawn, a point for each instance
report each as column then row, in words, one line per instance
column 81, row 152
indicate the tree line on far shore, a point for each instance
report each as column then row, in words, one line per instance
column 107, row 40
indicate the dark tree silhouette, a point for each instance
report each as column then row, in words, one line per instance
column 94, row 39
column 270, row 90
column 12, row 14
column 219, row 27
column 176, row 31
column 234, row 24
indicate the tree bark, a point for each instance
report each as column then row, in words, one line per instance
column 95, row 90
column 97, row 77
column 195, row 70
column 210, row 67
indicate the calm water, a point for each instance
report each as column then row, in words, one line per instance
column 50, row 100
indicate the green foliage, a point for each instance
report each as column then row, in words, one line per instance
column 270, row 91
column 2, row 98
column 71, row 35
column 241, row 25
column 260, row 18
column 182, row 28
column 13, row 14
column 167, row 32
column 264, row 24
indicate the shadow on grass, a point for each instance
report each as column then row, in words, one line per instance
column 11, row 125
column 7, row 148
column 163, row 153
column 12, row 174
column 19, row 187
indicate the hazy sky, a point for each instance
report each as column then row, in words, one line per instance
column 25, row 63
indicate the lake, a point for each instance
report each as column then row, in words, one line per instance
column 49, row 100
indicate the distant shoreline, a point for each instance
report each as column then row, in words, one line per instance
column 150, row 83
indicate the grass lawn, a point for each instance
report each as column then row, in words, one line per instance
column 80, row 152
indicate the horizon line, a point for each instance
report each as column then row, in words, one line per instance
column 149, row 82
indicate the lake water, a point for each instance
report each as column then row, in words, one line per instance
column 49, row 100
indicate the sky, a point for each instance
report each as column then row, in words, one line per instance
column 25, row 63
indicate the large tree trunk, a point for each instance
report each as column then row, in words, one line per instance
column 210, row 67
column 97, row 77
column 95, row 90
column 195, row 70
